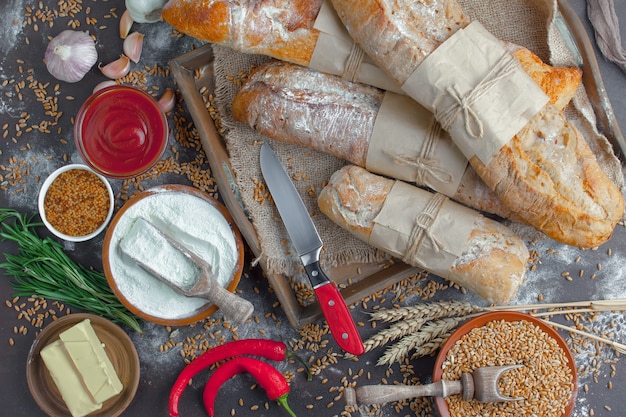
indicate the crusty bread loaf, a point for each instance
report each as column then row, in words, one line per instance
column 492, row 264
column 293, row 104
column 281, row 29
column 297, row 105
column 556, row 184
column 546, row 174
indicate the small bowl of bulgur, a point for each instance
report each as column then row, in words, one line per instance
column 76, row 203
column 547, row 381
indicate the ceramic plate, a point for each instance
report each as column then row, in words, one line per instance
column 118, row 347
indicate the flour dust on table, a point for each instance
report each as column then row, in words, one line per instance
column 10, row 26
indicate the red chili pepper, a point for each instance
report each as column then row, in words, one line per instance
column 274, row 383
column 269, row 349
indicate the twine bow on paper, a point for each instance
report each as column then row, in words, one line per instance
column 464, row 104
column 424, row 163
column 606, row 27
column 353, row 64
column 422, row 228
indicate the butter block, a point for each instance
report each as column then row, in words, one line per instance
column 91, row 360
column 70, row 384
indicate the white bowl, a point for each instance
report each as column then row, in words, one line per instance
column 44, row 190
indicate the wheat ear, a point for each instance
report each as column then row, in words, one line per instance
column 437, row 328
column 394, row 332
column 431, row 346
column 426, row 311
column 598, row 305
column 619, row 347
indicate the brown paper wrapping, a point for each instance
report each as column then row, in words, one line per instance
column 477, row 90
column 407, row 143
column 336, row 53
column 404, row 210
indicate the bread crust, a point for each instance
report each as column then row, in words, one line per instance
column 523, row 172
column 492, row 265
column 281, row 29
column 559, row 83
column 297, row 105
column 565, row 195
column 388, row 30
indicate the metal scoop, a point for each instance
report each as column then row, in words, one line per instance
column 481, row 385
column 201, row 283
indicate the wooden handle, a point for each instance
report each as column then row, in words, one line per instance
column 234, row 307
column 378, row 394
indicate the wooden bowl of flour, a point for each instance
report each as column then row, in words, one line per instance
column 199, row 221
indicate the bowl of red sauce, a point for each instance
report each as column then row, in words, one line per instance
column 120, row 131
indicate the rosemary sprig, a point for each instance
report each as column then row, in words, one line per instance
column 41, row 267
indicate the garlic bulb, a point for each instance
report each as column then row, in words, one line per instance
column 145, row 11
column 70, row 55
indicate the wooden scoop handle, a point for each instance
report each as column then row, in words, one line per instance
column 237, row 309
column 378, row 394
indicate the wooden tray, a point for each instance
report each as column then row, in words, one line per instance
column 193, row 72
column 574, row 33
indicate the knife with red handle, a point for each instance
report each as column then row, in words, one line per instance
column 308, row 244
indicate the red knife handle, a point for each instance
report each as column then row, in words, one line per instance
column 337, row 315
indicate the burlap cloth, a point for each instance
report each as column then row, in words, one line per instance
column 530, row 23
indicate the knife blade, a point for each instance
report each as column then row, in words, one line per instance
column 307, row 242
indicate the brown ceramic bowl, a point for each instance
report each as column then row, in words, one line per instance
column 482, row 320
column 194, row 309
column 118, row 347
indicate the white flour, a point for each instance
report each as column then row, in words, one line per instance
column 11, row 25
column 197, row 225
column 145, row 244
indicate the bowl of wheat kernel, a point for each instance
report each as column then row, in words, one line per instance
column 546, row 382
column 76, row 203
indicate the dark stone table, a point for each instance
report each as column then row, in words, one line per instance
column 29, row 153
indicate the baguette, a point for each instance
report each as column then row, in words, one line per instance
column 546, row 173
column 493, row 261
column 293, row 104
column 282, row 29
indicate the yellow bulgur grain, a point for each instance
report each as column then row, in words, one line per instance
column 77, row 202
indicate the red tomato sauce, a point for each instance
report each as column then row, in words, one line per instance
column 121, row 131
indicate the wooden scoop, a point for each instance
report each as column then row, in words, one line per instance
column 188, row 274
column 481, row 385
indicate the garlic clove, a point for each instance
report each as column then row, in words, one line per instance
column 167, row 100
column 103, row 84
column 133, row 45
column 126, row 22
column 117, row 69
